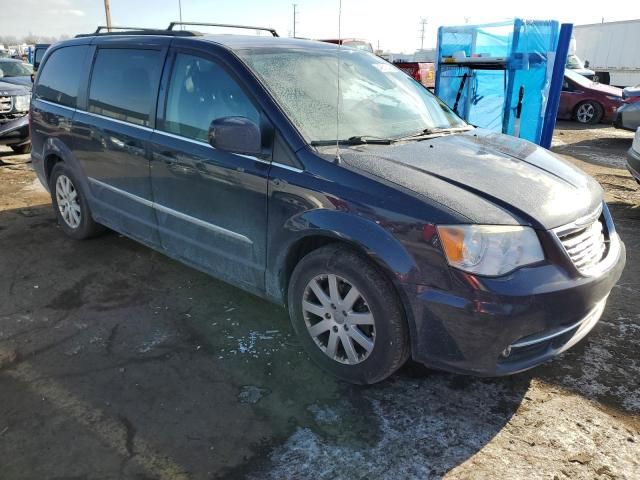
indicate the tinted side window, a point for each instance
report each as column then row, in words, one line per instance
column 37, row 56
column 60, row 76
column 124, row 84
column 201, row 91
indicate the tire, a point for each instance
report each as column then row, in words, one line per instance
column 77, row 221
column 376, row 351
column 589, row 112
column 22, row 149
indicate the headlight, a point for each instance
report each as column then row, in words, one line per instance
column 21, row 103
column 614, row 98
column 489, row 249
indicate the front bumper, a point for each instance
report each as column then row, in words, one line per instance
column 15, row 131
column 493, row 327
column 627, row 116
column 633, row 163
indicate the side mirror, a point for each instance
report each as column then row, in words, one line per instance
column 236, row 135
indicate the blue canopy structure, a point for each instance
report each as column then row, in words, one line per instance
column 504, row 76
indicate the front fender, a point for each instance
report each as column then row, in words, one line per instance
column 363, row 233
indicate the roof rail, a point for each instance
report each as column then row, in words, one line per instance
column 109, row 29
column 137, row 31
column 203, row 24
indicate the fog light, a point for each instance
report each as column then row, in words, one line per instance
column 506, row 352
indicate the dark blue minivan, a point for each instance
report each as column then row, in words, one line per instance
column 327, row 180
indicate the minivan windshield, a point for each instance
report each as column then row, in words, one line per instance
column 377, row 100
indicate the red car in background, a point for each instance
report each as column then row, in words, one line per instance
column 587, row 101
column 423, row 72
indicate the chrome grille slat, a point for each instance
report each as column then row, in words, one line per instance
column 586, row 246
column 575, row 241
column 588, row 249
column 593, row 251
column 575, row 249
column 591, row 260
column 6, row 104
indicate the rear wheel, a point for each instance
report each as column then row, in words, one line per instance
column 70, row 204
column 347, row 315
column 21, row 149
column 589, row 112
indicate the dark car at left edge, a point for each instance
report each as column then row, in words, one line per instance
column 15, row 96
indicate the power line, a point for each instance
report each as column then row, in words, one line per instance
column 295, row 20
column 423, row 24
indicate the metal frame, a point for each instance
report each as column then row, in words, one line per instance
column 121, row 30
column 225, row 25
column 137, row 31
column 553, row 101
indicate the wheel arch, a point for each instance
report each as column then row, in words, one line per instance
column 331, row 226
column 55, row 151
column 326, row 227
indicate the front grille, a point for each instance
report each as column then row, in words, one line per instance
column 586, row 246
column 6, row 104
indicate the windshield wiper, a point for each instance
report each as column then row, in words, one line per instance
column 428, row 132
column 372, row 140
column 355, row 140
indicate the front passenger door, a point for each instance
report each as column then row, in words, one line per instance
column 211, row 205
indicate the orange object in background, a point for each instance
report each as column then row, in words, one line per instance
column 423, row 72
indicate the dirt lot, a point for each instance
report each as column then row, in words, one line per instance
column 116, row 362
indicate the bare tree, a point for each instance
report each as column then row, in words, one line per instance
column 30, row 39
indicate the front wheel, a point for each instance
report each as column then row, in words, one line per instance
column 589, row 113
column 347, row 315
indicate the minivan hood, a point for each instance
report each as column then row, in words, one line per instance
column 516, row 176
column 8, row 88
column 20, row 80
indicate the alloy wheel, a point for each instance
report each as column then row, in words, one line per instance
column 338, row 319
column 585, row 112
column 67, row 199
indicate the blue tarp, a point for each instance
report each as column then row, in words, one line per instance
column 518, row 54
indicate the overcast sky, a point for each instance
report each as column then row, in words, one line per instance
column 392, row 23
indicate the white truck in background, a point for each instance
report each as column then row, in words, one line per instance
column 612, row 50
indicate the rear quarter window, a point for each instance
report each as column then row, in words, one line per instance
column 124, row 84
column 60, row 76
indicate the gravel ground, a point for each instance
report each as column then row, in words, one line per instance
column 117, row 362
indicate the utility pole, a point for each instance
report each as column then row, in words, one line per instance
column 180, row 12
column 295, row 6
column 107, row 13
column 423, row 24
